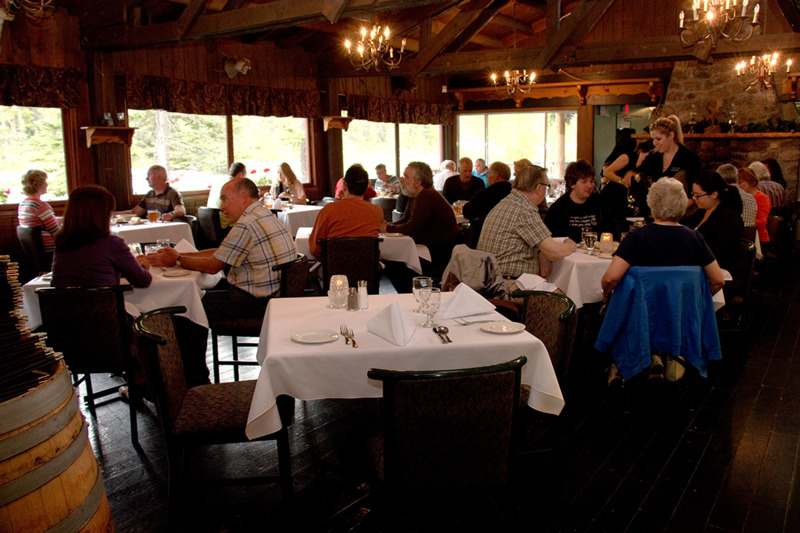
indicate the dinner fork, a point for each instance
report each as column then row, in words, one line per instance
column 343, row 331
column 352, row 337
column 464, row 322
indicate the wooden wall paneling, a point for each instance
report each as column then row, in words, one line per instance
column 196, row 61
column 586, row 132
column 20, row 34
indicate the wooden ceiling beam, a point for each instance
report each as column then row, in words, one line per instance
column 189, row 17
column 791, row 10
column 471, row 33
column 333, row 9
column 513, row 24
column 230, row 5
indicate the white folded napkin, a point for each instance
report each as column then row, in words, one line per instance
column 534, row 282
column 465, row 302
column 393, row 324
column 278, row 204
column 185, row 247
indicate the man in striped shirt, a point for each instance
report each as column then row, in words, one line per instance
column 161, row 197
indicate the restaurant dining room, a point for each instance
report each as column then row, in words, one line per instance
column 399, row 265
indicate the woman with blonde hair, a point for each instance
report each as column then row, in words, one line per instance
column 35, row 212
column 290, row 187
column 670, row 156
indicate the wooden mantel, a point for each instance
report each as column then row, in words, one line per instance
column 108, row 134
column 654, row 87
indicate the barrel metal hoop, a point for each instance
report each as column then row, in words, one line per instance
column 39, row 433
column 83, row 514
column 35, row 404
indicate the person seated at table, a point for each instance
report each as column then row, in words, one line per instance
column 581, row 208
column 749, row 183
column 518, row 166
column 515, row 233
column 257, row 242
column 730, row 174
column 34, row 212
column 775, row 172
column 86, row 254
column 428, row 219
column 350, row 216
column 288, row 186
column 665, row 242
column 718, row 217
column 385, row 184
column 483, row 201
column 161, row 197
column 237, row 170
column 464, row 185
column 773, row 189
column 446, row 169
column 339, row 191
column 481, row 171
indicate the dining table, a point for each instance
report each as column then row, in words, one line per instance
column 170, row 287
column 298, row 216
column 394, row 247
column 303, row 356
column 148, row 231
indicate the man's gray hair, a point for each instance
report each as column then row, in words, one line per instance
column 422, row 173
column 760, row 170
column 729, row 173
column 529, row 177
column 448, row 164
column 667, row 199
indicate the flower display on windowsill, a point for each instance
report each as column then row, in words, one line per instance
column 4, row 195
column 261, row 177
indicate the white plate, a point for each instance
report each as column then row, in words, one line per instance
column 175, row 273
column 391, row 235
column 605, row 256
column 314, row 336
column 503, row 327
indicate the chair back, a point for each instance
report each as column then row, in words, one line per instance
column 472, row 232
column 387, row 204
column 209, row 227
column 396, row 215
column 477, row 269
column 552, row 318
column 776, row 228
column 159, row 356
column 89, row 326
column 356, row 257
column 30, row 239
column 737, row 291
column 294, row 277
column 449, row 428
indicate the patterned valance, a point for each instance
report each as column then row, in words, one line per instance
column 40, row 86
column 195, row 97
column 383, row 110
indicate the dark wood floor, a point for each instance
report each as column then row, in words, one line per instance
column 730, row 464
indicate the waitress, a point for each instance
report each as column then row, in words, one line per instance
column 670, row 158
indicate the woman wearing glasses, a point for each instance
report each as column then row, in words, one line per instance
column 718, row 217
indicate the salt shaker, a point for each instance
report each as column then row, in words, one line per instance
column 363, row 302
column 352, row 300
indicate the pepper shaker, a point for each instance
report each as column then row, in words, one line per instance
column 363, row 301
column 352, row 299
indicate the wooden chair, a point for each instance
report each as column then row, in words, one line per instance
column 446, row 430
column 356, row 257
column 91, row 328
column 209, row 228
column 733, row 317
column 552, row 318
column 30, row 239
column 294, row 279
column 202, row 415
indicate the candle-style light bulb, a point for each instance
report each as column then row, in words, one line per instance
column 788, row 65
column 363, row 31
column 402, row 45
column 755, row 13
column 710, row 16
column 744, row 7
column 386, row 33
column 347, row 44
column 680, row 19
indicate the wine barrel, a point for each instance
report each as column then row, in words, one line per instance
column 49, row 477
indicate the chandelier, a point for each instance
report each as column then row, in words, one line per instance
column 728, row 19
column 374, row 50
column 517, row 80
column 761, row 71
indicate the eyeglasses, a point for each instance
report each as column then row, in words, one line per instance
column 695, row 195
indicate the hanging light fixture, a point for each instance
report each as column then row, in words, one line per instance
column 762, row 71
column 516, row 80
column 715, row 19
column 374, row 49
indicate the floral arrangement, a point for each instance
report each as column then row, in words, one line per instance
column 261, row 178
column 4, row 195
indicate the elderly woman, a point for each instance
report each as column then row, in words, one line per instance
column 35, row 212
column 749, row 184
column 664, row 242
column 87, row 255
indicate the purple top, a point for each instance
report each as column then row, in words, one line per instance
column 98, row 265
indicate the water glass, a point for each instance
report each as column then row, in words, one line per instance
column 589, row 239
column 420, row 282
column 429, row 297
column 163, row 243
column 135, row 248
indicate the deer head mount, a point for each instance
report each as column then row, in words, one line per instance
column 234, row 66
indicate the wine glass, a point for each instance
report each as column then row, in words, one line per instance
column 429, row 300
column 589, row 239
column 420, row 282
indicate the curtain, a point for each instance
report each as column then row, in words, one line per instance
column 384, row 110
column 195, row 97
column 40, row 86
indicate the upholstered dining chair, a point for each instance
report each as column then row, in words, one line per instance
column 90, row 327
column 294, row 279
column 356, row 257
column 446, row 430
column 734, row 316
column 199, row 416
column 30, row 239
column 387, row 204
column 552, row 318
column 209, row 230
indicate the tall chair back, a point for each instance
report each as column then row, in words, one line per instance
column 294, row 277
column 387, row 204
column 30, row 239
column 449, row 429
column 209, row 227
column 551, row 317
column 356, row 257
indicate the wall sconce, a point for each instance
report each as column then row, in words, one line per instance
column 234, row 66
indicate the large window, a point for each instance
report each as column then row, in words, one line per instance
column 31, row 137
column 193, row 148
column 372, row 143
column 546, row 138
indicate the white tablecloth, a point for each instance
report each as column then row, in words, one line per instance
column 162, row 292
column 335, row 370
column 299, row 216
column 152, row 231
column 400, row 248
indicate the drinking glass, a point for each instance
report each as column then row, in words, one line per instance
column 151, row 249
column 135, row 249
column 589, row 239
column 420, row 282
column 163, row 243
column 152, row 215
column 429, row 300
